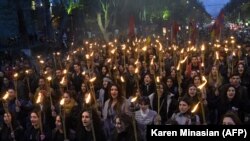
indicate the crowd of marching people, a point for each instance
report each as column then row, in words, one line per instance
column 105, row 93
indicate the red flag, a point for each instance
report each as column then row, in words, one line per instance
column 175, row 30
column 192, row 31
column 131, row 32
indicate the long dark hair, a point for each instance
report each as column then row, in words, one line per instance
column 14, row 122
column 127, row 120
column 120, row 98
column 94, row 116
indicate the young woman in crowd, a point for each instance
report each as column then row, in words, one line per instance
column 11, row 130
column 90, row 127
column 37, row 130
column 184, row 116
column 125, row 130
column 116, row 104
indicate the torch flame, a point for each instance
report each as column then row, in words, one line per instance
column 16, row 75
column 41, row 61
column 109, row 60
column 92, row 79
column 144, row 48
column 217, row 55
column 6, row 96
column 68, row 58
column 178, row 67
column 113, row 50
column 158, row 79
column 152, row 61
column 137, row 61
column 234, row 54
column 64, row 71
column 133, row 99
column 195, row 107
column 83, row 73
column 136, row 70
column 92, row 53
column 88, row 98
column 122, row 79
column 39, row 98
column 63, row 80
column 27, row 71
column 49, row 78
column 203, row 84
column 87, row 56
column 203, row 47
column 202, row 64
column 182, row 50
column 123, row 47
column 62, row 101
column 182, row 61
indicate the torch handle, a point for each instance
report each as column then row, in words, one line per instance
column 28, row 83
column 15, row 84
column 40, row 122
column 92, row 126
column 134, row 126
column 64, row 126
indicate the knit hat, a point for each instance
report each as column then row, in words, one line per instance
column 107, row 79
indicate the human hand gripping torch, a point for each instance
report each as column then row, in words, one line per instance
column 201, row 98
column 6, row 110
column 133, row 117
column 62, row 113
column 39, row 101
column 87, row 101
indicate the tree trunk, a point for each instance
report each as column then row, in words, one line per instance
column 102, row 28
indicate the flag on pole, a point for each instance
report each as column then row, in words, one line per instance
column 174, row 31
column 217, row 26
column 131, row 32
column 192, row 31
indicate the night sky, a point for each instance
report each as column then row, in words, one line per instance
column 213, row 7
